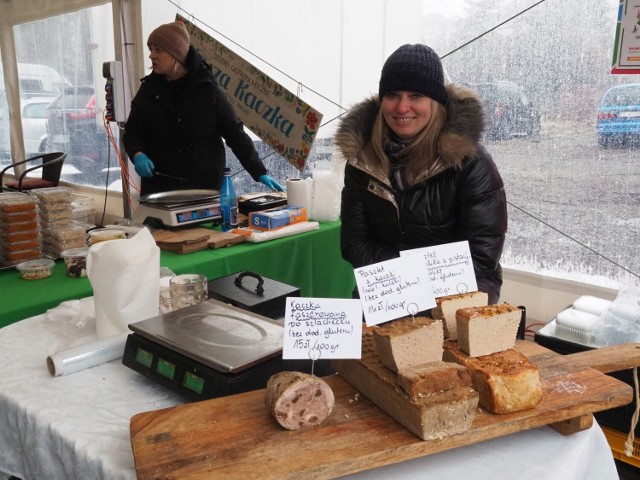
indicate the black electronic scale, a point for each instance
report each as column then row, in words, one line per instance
column 210, row 350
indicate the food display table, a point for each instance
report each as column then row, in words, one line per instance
column 310, row 261
column 77, row 427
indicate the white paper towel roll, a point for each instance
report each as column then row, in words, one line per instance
column 87, row 355
column 124, row 276
column 299, row 193
column 327, row 185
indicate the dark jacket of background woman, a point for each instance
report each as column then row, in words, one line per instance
column 182, row 131
column 461, row 198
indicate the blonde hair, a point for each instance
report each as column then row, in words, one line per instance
column 423, row 149
column 178, row 70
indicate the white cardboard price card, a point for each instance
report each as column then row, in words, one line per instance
column 396, row 288
column 319, row 328
column 450, row 267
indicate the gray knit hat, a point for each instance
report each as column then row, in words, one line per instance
column 413, row 68
column 172, row 38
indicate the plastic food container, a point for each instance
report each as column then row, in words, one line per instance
column 103, row 234
column 76, row 261
column 36, row 269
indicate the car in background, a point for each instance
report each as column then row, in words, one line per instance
column 33, row 110
column 34, row 124
column 509, row 110
column 618, row 119
column 73, row 127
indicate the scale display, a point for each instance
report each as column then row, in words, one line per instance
column 192, row 379
column 174, row 216
column 189, row 216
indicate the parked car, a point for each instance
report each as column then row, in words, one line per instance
column 34, row 125
column 618, row 119
column 509, row 110
column 74, row 127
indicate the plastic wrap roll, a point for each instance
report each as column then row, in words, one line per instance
column 87, row 355
column 257, row 237
column 299, row 193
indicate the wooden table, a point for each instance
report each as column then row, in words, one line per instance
column 234, row 437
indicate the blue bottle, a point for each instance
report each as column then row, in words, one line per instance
column 228, row 202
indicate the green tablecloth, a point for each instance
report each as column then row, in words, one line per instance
column 310, row 261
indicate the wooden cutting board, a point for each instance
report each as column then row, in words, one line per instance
column 235, row 437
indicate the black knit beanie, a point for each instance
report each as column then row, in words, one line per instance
column 413, row 68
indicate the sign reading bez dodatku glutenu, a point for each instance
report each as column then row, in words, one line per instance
column 450, row 267
column 317, row 328
column 393, row 289
column 268, row 109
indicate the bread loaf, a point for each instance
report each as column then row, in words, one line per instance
column 506, row 381
column 488, row 329
column 446, row 308
column 298, row 400
column 431, row 378
column 408, row 342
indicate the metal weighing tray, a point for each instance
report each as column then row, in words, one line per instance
column 180, row 197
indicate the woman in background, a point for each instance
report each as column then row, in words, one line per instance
column 416, row 174
column 179, row 118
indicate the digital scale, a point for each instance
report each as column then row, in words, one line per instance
column 178, row 208
column 209, row 350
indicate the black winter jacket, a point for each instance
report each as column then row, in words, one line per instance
column 461, row 198
column 183, row 138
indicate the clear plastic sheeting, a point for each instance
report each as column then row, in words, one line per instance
column 620, row 323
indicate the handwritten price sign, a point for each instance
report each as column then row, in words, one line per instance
column 317, row 328
column 393, row 289
column 450, row 267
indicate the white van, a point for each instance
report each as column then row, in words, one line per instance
column 36, row 81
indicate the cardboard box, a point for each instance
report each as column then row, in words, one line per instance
column 275, row 218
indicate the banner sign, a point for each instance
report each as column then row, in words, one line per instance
column 269, row 110
column 626, row 51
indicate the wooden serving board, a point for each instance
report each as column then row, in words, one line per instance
column 235, row 437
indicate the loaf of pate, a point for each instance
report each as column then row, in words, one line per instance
column 487, row 329
column 429, row 417
column 446, row 308
column 409, row 341
column 431, row 378
column 506, row 381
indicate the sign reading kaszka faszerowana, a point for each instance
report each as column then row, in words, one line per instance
column 269, row 110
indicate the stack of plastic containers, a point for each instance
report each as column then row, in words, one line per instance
column 84, row 211
column 58, row 229
column 19, row 229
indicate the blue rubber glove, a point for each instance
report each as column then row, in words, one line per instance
column 271, row 183
column 144, row 165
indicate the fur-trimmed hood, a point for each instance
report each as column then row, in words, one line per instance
column 461, row 133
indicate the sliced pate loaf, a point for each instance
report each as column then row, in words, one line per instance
column 408, row 342
column 447, row 306
column 487, row 329
column 431, row 378
column 506, row 381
